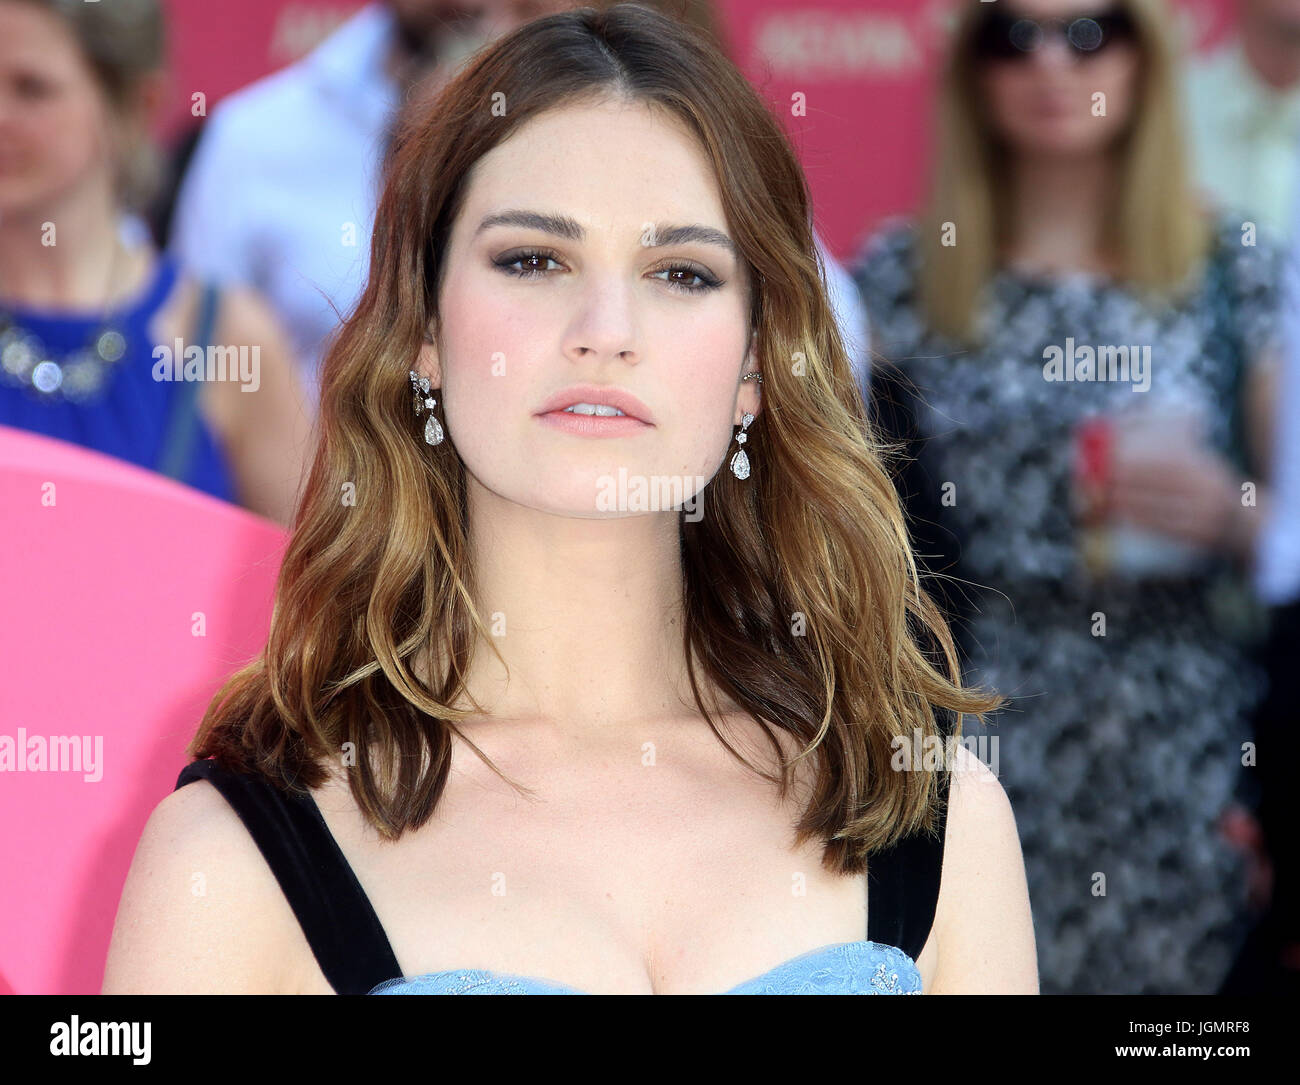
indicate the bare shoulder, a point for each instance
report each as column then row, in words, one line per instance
column 245, row 317
column 983, row 922
column 201, row 912
column 241, row 316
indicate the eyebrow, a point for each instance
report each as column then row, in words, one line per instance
column 662, row 233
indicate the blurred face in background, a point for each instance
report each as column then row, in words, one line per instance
column 422, row 23
column 1038, row 89
column 448, row 30
column 505, row 15
column 438, row 36
column 54, row 119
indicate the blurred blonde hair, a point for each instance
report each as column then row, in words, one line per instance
column 1157, row 229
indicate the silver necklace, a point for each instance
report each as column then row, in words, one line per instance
column 76, row 375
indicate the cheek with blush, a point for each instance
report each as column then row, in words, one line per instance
column 702, row 437
column 701, row 378
column 483, row 378
column 71, row 142
column 1120, row 80
column 1000, row 96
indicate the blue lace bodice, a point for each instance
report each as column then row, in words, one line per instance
column 847, row 968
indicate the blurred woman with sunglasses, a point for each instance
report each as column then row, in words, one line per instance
column 1089, row 353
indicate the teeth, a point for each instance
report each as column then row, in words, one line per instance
column 594, row 408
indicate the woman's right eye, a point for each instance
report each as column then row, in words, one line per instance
column 534, row 257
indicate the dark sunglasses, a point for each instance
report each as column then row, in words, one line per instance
column 1000, row 36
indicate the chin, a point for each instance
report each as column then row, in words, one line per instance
column 617, row 491
column 1063, row 140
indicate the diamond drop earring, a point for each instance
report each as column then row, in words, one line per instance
column 432, row 428
column 740, row 462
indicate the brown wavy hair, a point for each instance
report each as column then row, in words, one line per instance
column 814, row 539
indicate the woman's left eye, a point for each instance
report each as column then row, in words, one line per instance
column 507, row 264
column 34, row 87
column 707, row 282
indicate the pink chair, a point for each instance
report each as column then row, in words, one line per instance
column 127, row 599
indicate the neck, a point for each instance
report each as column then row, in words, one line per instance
column 591, row 615
column 1057, row 208
column 1272, row 49
column 85, row 266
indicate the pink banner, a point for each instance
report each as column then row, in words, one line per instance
column 128, row 599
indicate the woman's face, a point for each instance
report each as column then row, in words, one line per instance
column 1044, row 102
column 609, row 299
column 52, row 113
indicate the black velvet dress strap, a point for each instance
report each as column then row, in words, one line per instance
column 903, row 886
column 333, row 910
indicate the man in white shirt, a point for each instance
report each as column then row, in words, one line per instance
column 281, row 192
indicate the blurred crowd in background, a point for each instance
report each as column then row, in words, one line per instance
column 1104, row 215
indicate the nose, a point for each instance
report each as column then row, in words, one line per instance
column 604, row 326
column 1054, row 53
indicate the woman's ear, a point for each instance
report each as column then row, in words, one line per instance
column 750, row 400
column 427, row 363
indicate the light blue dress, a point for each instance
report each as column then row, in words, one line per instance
column 849, row 968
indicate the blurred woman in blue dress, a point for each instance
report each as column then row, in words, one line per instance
column 95, row 324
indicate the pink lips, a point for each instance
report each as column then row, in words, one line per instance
column 597, row 395
column 636, row 418
column 591, row 425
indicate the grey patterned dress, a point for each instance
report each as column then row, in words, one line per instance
column 1118, row 752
